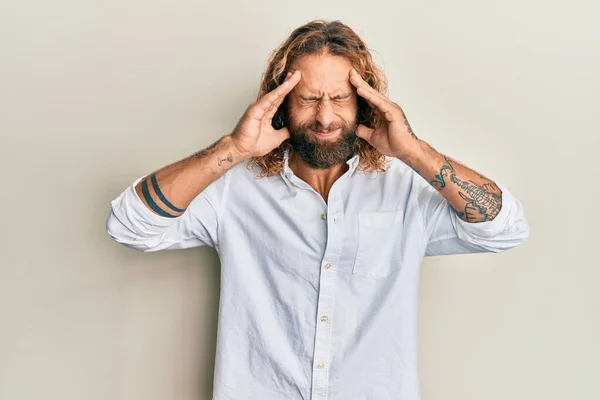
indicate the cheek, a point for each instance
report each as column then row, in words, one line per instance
column 301, row 113
column 345, row 111
column 298, row 116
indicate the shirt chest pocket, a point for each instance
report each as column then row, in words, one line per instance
column 379, row 252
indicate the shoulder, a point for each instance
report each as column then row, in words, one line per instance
column 395, row 169
column 245, row 179
column 396, row 166
column 398, row 177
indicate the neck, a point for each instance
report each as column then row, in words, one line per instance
column 321, row 180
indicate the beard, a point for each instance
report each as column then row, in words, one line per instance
column 322, row 153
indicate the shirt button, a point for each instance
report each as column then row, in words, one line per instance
column 320, row 365
column 323, row 217
column 324, row 318
column 327, row 265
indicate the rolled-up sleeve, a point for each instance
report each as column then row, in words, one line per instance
column 132, row 224
column 446, row 233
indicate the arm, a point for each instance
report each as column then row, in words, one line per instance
column 180, row 205
column 464, row 212
column 473, row 197
column 169, row 191
column 177, row 206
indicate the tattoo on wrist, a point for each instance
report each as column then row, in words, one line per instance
column 228, row 159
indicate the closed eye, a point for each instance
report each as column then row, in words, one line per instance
column 338, row 98
column 341, row 99
column 310, row 99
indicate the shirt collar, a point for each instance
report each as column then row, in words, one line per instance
column 287, row 171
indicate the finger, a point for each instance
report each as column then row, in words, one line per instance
column 290, row 81
column 368, row 102
column 273, row 109
column 382, row 104
column 263, row 105
column 364, row 132
column 283, row 133
column 359, row 82
column 375, row 100
column 372, row 96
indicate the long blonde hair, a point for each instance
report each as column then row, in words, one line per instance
column 337, row 39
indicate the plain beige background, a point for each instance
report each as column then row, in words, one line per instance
column 96, row 94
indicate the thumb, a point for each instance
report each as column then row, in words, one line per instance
column 283, row 133
column 364, row 132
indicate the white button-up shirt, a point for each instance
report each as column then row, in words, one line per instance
column 318, row 300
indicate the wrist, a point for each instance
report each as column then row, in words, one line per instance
column 412, row 152
column 419, row 155
column 238, row 153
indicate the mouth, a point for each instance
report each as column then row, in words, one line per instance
column 325, row 134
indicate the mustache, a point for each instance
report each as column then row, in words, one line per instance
column 317, row 126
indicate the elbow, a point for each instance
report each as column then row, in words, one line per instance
column 514, row 229
column 121, row 234
column 517, row 230
column 521, row 231
column 511, row 235
column 517, row 234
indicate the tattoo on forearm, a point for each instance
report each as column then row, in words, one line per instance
column 155, row 207
column 226, row 161
column 161, row 196
column 440, row 182
column 200, row 154
column 483, row 201
column 204, row 152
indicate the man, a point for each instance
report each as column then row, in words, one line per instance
column 321, row 204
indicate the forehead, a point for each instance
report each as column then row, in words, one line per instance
column 323, row 73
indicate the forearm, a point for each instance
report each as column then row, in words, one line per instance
column 169, row 190
column 474, row 197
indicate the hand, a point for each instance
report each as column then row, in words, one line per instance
column 254, row 135
column 394, row 137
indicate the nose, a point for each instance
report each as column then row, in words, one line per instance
column 325, row 115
